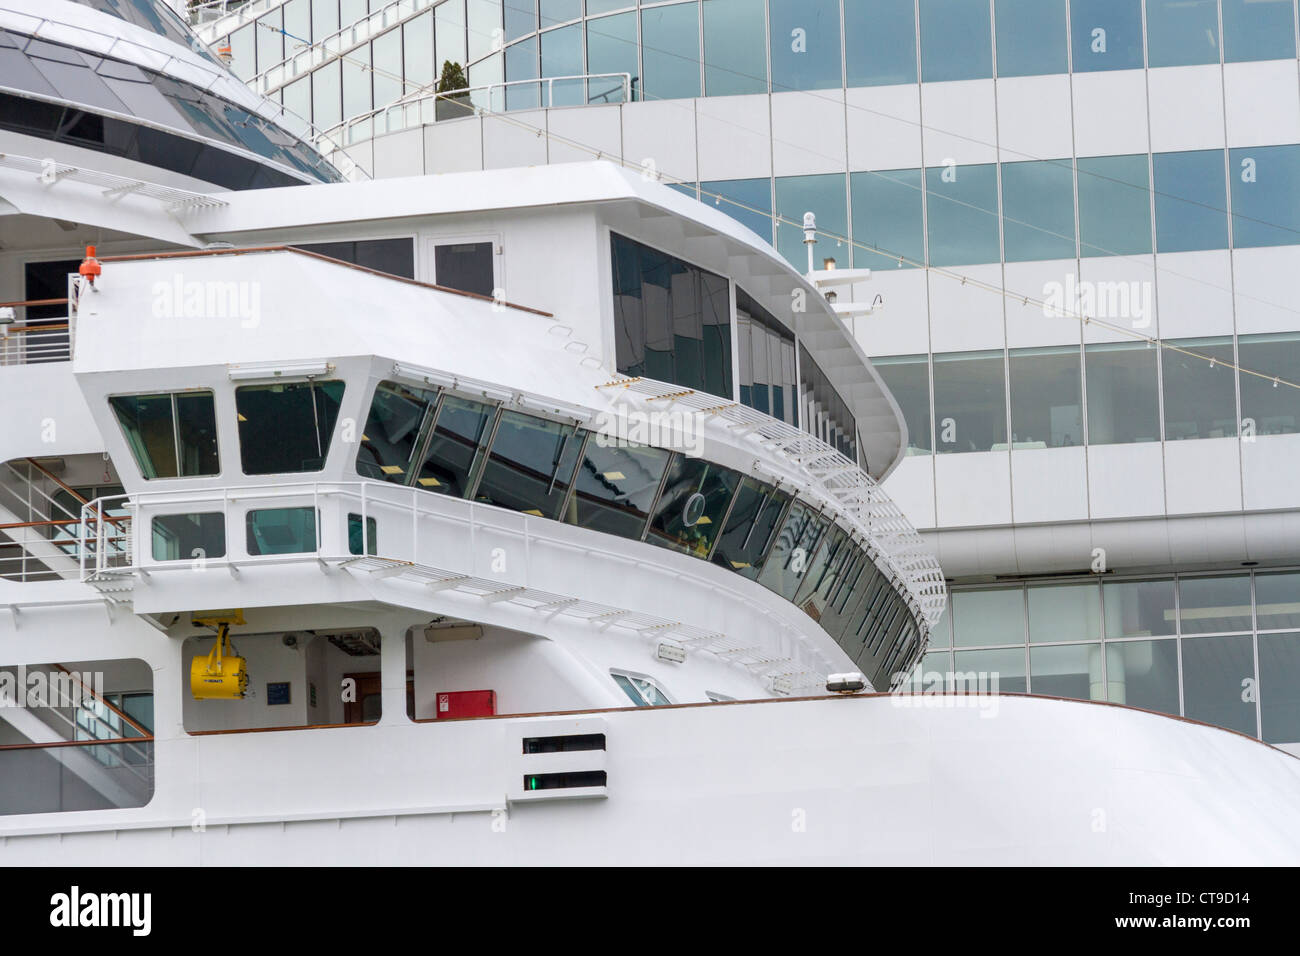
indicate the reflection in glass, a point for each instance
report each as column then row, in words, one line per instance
column 1216, row 671
column 823, row 196
column 1265, row 195
column 1279, row 691
column 1069, row 670
column 327, row 96
column 1046, row 397
column 1182, row 32
column 449, row 32
column 286, row 427
column 1031, row 37
column 1123, row 404
column 794, row 548
column 692, row 505
column 387, row 53
column 530, row 466
column 394, row 432
column 520, row 19
column 484, row 27
column 611, row 48
column 767, row 363
column 1114, row 211
column 281, row 530
column 735, row 55
column 1038, row 206
column 1191, row 208
column 616, row 487
column 670, row 51
column 751, row 528
column 988, row 671
column 882, row 42
column 1200, row 397
column 827, row 562
column 1277, row 600
column 1266, row 408
column 908, row 379
column 1143, row 674
column 739, row 198
column 963, row 214
column 189, row 536
column 1139, row 608
column 456, row 446
column 359, row 543
column 417, row 50
column 153, row 424
column 887, row 219
column 1258, row 30
column 521, row 64
column 1064, row 612
column 805, row 44
column 970, row 407
column 1214, row 604
column 988, row 617
column 1106, row 35
column 562, row 56
column 956, row 40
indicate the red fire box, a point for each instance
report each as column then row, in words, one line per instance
column 465, row 703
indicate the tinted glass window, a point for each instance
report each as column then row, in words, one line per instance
column 1265, row 408
column 1182, row 32
column 1139, row 608
column 881, row 50
column 908, row 379
column 616, row 487
column 1038, row 210
column 1064, row 612
column 521, row 18
column 286, row 427
column 670, row 38
column 1143, row 674
column 1114, row 215
column 795, row 547
column 767, row 364
column 1191, row 208
column 531, row 465
column 1279, row 698
column 825, row 197
column 521, row 64
column 417, row 50
column 1258, row 30
column 449, row 32
column 562, row 57
column 611, row 48
column 1200, row 398
column 194, row 536
column 956, row 40
column 1031, row 37
column 394, row 256
column 359, row 542
column 692, row 505
column 1215, row 672
column 1071, row 670
column 751, row 528
column 1209, row 605
column 1277, row 600
column 1046, row 397
column 466, row 266
column 735, row 58
column 1106, row 35
column 1123, row 401
column 988, row 617
column 281, row 530
column 887, row 219
column 395, row 431
column 805, row 44
column 963, row 214
column 1265, row 195
column 560, row 11
column 970, row 407
column 456, row 446
column 170, row 435
column 1003, row 671
column 748, row 201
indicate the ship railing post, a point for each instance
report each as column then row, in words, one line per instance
column 415, row 525
column 315, row 514
column 365, row 522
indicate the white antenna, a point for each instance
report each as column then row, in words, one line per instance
column 810, row 237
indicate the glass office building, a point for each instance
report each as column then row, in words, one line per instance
column 1115, row 499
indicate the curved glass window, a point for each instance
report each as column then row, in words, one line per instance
column 1200, row 398
column 881, row 47
column 521, row 19
column 531, row 465
column 172, row 435
column 670, row 51
column 751, row 528
column 154, row 16
column 456, row 446
column 559, row 11
column 692, row 505
column 735, row 58
column 562, row 56
column 795, row 547
column 616, row 487
column 611, row 48
column 286, row 427
column 1106, row 35
column 1258, row 30
column 956, row 40
column 805, row 44
column 1031, row 37
column 395, row 432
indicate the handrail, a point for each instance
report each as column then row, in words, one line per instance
column 77, row 743
column 108, row 704
column 31, row 302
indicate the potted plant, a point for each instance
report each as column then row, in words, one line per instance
column 451, row 103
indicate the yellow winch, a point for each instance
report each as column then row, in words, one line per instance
column 220, row 675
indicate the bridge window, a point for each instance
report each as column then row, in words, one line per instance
column 456, row 447
column 793, row 552
column 531, row 465
column 642, row 691
column 616, row 487
column 692, row 505
column 359, row 542
column 170, row 435
column 193, row 536
column 286, row 428
column 282, row 530
column 395, row 432
column 466, row 266
column 393, row 256
column 751, row 528
column 767, row 372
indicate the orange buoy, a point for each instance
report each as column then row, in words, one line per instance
column 90, row 268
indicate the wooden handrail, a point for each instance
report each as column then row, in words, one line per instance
column 56, row 479
column 15, row 305
column 267, row 730
column 29, row 329
column 78, row 743
column 143, row 731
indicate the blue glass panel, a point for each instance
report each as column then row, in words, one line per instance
column 963, row 214
column 559, row 11
column 1106, row 35
column 1258, row 30
column 735, row 60
column 881, row 49
column 562, row 56
column 521, row 18
column 956, row 40
column 1182, row 32
column 824, row 196
column 887, row 216
column 1191, row 205
column 748, row 201
column 670, row 38
column 1038, row 210
column 1265, row 195
column 1031, row 37
column 611, row 48
column 805, row 44
column 1114, row 211
column 521, row 64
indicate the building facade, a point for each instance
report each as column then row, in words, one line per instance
column 1112, row 499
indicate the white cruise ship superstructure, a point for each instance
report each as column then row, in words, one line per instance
column 523, row 516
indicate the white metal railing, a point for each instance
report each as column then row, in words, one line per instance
column 218, row 17
column 35, row 342
column 114, row 549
